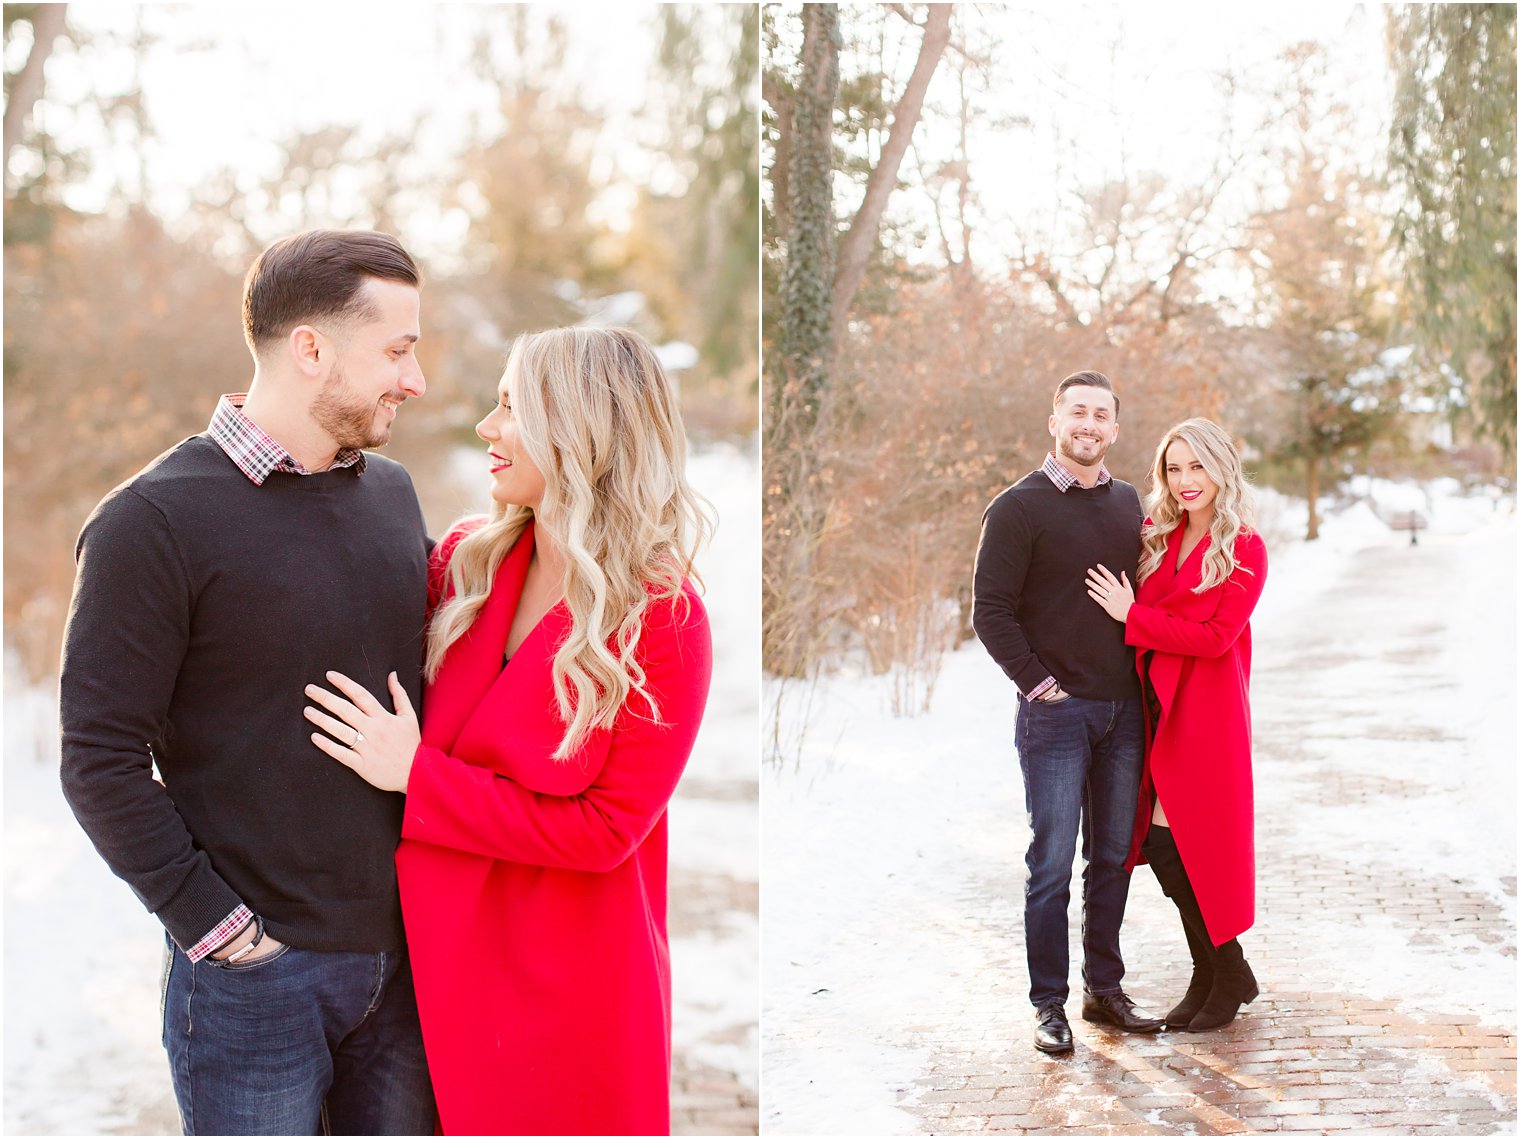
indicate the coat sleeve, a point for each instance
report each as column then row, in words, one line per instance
column 1147, row 627
column 460, row 805
column 1002, row 561
column 127, row 632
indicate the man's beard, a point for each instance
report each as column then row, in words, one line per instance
column 1066, row 448
column 346, row 417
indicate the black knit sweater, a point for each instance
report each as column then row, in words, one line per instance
column 1031, row 608
column 202, row 607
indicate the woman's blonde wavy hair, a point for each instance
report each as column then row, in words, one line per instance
column 1234, row 505
column 600, row 419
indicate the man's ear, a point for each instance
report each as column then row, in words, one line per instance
column 309, row 350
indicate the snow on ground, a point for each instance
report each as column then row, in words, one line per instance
column 876, row 827
column 859, row 938
column 1430, row 710
column 1475, row 664
column 83, row 959
column 716, row 975
column 729, row 476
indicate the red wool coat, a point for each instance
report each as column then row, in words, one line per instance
column 534, row 890
column 1198, row 759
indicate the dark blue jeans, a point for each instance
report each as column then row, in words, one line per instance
column 1081, row 761
column 299, row 1042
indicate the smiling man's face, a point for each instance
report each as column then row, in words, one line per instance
column 374, row 369
column 1085, row 425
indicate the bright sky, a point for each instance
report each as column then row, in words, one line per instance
column 227, row 82
column 1109, row 91
column 1138, row 85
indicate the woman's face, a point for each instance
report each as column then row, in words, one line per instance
column 515, row 480
column 1189, row 484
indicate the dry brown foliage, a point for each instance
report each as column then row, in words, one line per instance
column 117, row 342
column 934, row 409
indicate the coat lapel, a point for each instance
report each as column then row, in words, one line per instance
column 515, row 727
column 473, row 663
column 1171, row 591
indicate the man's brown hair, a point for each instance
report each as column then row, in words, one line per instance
column 319, row 274
column 1086, row 380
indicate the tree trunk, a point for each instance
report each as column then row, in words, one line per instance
column 795, row 505
column 47, row 26
column 1313, row 492
column 855, row 249
column 806, row 332
column 780, row 101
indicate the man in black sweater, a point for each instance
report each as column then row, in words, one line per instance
column 212, row 587
column 1080, row 733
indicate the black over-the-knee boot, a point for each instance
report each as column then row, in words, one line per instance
column 1222, row 980
column 1165, row 863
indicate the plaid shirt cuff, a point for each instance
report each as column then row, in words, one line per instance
column 1043, row 687
column 226, row 929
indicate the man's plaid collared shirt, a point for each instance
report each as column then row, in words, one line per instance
column 252, row 448
column 1056, row 472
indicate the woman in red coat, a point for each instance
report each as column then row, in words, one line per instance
column 1201, row 572
column 568, row 663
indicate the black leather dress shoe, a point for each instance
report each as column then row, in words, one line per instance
column 1051, row 1031
column 1119, row 1011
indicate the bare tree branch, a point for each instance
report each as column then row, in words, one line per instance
column 855, row 248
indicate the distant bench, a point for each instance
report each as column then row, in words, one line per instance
column 1411, row 520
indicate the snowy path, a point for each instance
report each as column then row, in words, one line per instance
column 894, row 974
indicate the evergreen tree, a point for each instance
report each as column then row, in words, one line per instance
column 1452, row 152
column 1320, row 281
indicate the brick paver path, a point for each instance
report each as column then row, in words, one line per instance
column 894, row 976
column 1379, row 952
column 708, row 1101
